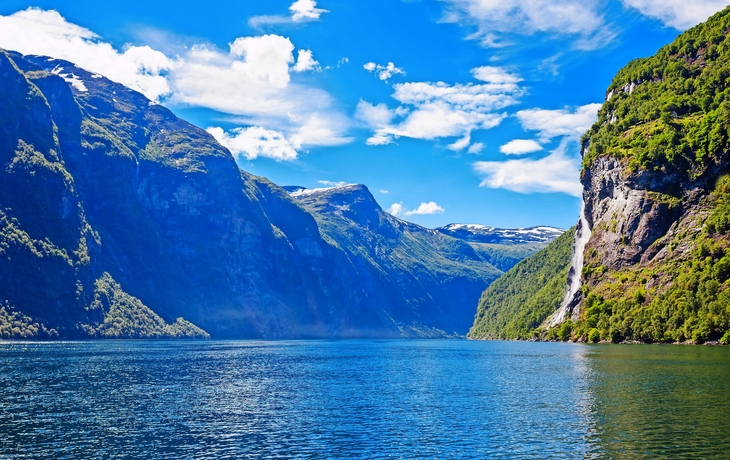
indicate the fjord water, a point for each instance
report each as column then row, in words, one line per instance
column 362, row 399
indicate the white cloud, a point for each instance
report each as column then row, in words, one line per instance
column 679, row 14
column 384, row 72
column 384, row 192
column 460, row 144
column 561, row 122
column 491, row 74
column 557, row 172
column 396, row 209
column 35, row 31
column 265, row 58
column 377, row 116
column 519, row 147
column 426, row 209
column 251, row 82
column 305, row 62
column 475, row 148
column 301, row 11
column 439, row 110
column 254, row 142
column 379, row 139
column 495, row 21
column 306, row 10
column 479, row 97
column 320, row 130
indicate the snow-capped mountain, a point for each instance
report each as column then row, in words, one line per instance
column 483, row 234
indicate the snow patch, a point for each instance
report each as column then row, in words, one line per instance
column 313, row 191
column 75, row 81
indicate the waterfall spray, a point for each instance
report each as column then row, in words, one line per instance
column 582, row 235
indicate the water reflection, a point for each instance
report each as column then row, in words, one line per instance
column 360, row 399
column 660, row 401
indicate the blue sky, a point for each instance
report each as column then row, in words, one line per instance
column 449, row 111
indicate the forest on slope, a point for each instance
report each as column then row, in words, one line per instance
column 656, row 190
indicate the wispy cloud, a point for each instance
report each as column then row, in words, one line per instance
column 561, row 122
column 251, row 81
column 475, row 148
column 557, row 172
column 679, row 14
column 438, row 110
column 384, row 72
column 300, row 11
column 331, row 184
column 495, row 22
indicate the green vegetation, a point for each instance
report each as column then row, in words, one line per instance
column 516, row 304
column 669, row 113
column 15, row 325
column 671, row 110
column 685, row 297
column 127, row 317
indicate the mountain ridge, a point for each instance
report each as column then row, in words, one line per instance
column 117, row 218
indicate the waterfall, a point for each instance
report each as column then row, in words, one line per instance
column 582, row 235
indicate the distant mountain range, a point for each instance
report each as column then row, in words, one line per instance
column 118, row 219
column 483, row 234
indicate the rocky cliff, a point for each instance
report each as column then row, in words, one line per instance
column 652, row 245
column 655, row 191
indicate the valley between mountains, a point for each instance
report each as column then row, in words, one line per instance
column 120, row 220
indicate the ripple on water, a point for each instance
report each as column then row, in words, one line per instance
column 357, row 399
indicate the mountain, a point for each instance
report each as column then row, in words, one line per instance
column 504, row 248
column 415, row 271
column 514, row 306
column 482, row 234
column 118, row 219
column 653, row 234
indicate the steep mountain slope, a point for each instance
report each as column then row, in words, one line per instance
column 117, row 218
column 425, row 278
column 656, row 193
column 514, row 306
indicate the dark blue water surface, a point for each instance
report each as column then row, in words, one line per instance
column 362, row 399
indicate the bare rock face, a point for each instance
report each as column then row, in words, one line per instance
column 628, row 212
column 634, row 214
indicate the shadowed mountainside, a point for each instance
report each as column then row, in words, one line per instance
column 118, row 219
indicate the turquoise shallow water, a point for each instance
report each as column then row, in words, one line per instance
column 362, row 399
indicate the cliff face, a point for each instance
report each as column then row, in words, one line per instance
column 117, row 219
column 654, row 178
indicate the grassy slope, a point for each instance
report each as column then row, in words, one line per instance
column 518, row 302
